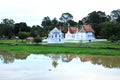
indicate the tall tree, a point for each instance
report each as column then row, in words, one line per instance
column 47, row 24
column 95, row 17
column 37, row 31
column 65, row 17
column 23, row 35
column 110, row 29
column 55, row 23
column 8, row 27
column 22, row 26
column 115, row 15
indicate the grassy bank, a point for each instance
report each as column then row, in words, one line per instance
column 72, row 48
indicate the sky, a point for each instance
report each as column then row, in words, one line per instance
column 33, row 11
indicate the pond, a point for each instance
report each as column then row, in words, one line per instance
column 58, row 67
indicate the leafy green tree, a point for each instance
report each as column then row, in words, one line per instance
column 23, row 35
column 47, row 25
column 109, row 29
column 36, row 30
column 37, row 39
column 115, row 15
column 2, row 26
column 95, row 17
column 80, row 22
column 97, row 29
column 8, row 27
column 65, row 17
column 55, row 23
column 72, row 23
column 113, row 38
column 21, row 27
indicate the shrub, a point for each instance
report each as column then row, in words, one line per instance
column 113, row 38
column 37, row 39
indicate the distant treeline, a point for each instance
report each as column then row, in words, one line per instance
column 105, row 26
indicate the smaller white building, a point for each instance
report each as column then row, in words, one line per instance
column 83, row 34
column 86, row 34
column 55, row 36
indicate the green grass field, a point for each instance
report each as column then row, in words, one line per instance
column 71, row 48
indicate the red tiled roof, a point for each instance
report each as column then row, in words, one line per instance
column 73, row 30
column 87, row 28
column 30, row 38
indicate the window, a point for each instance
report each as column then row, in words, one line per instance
column 55, row 35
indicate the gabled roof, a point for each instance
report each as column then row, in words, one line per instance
column 87, row 28
column 72, row 30
column 55, row 31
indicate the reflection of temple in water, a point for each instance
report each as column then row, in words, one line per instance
column 106, row 61
column 85, row 58
column 68, row 58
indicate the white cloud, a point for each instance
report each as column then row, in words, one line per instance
column 33, row 11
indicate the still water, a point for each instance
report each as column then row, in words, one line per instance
column 58, row 67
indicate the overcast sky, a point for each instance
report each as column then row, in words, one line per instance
column 33, row 11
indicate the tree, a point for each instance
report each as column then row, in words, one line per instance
column 55, row 23
column 23, row 35
column 115, row 15
column 37, row 39
column 113, row 38
column 109, row 29
column 47, row 25
column 95, row 17
column 8, row 27
column 65, row 17
column 36, row 30
column 2, row 26
column 21, row 27
column 72, row 23
column 80, row 22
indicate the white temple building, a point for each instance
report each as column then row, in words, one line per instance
column 55, row 36
column 73, row 34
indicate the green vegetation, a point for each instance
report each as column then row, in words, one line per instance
column 37, row 39
column 98, row 48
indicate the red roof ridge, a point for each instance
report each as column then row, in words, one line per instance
column 88, row 28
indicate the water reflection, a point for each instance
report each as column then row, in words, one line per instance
column 106, row 61
column 10, row 58
column 58, row 67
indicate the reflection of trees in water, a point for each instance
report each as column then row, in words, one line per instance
column 54, row 63
column 54, row 58
column 107, row 61
column 63, row 57
column 9, row 57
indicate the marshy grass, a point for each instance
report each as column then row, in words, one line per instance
column 68, row 48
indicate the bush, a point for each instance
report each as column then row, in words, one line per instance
column 37, row 39
column 23, row 35
column 113, row 38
